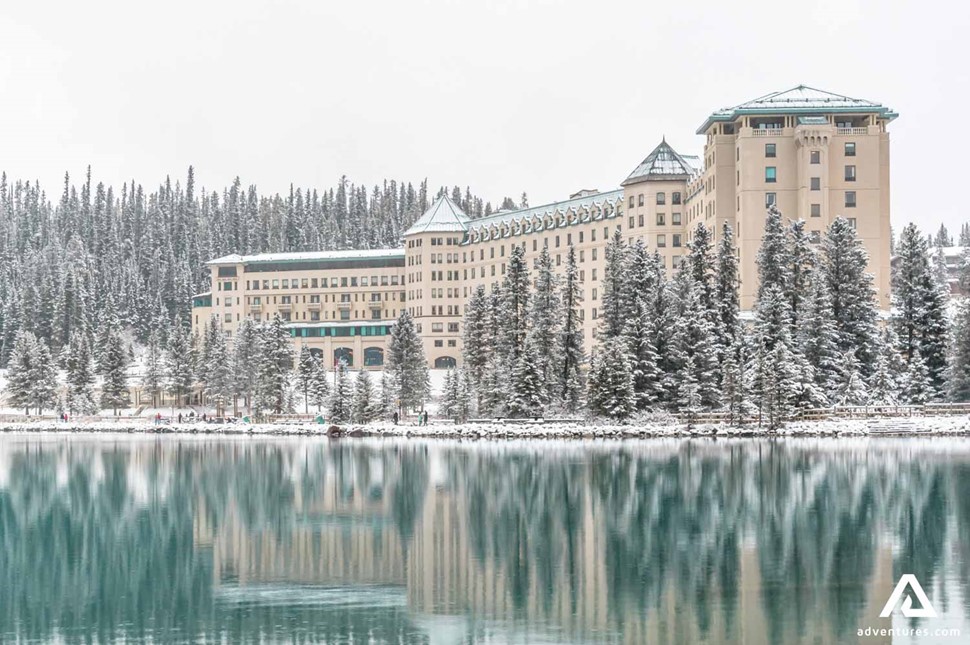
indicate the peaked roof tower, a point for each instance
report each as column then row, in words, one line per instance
column 444, row 215
column 664, row 164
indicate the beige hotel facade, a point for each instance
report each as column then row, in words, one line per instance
column 815, row 154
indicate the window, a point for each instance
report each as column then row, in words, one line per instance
column 437, row 327
column 661, row 199
column 439, row 343
column 852, row 222
column 676, row 240
column 675, row 198
column 816, row 210
column 815, row 237
column 661, row 240
column 850, row 173
column 815, row 157
column 675, row 219
column 816, row 183
column 676, row 261
column 344, row 354
column 850, row 149
column 631, row 201
column 771, row 174
column 660, row 219
column 769, row 150
column 453, row 327
column 770, row 199
column 594, row 294
column 639, row 200
column 850, row 199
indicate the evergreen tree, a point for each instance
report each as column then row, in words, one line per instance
column 456, row 396
column 610, row 387
column 817, row 339
column 406, row 363
column 114, row 370
column 526, row 394
column 363, row 406
column 920, row 308
column 958, row 375
column 153, row 378
column 306, row 373
column 514, row 319
column 546, row 314
column 245, row 355
column 884, row 384
column 844, row 264
column 612, row 319
column 943, row 237
column 733, row 394
column 178, row 363
column 774, row 256
column 31, row 375
column 319, row 385
column 915, row 385
column 275, row 366
column 726, row 288
column 773, row 369
column 801, row 269
column 80, row 376
column 478, row 341
column 569, row 368
column 852, row 389
column 340, row 408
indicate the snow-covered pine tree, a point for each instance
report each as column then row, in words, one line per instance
column 363, row 405
column 695, row 341
column 340, row 408
column 31, row 374
column 80, row 376
column 455, row 404
column 275, row 366
column 320, row 384
column 774, row 256
column 852, row 389
column 612, row 320
column 726, row 288
column 844, row 263
column 406, row 363
column 514, row 317
column 800, row 269
column 733, row 394
column 385, row 402
column 943, row 237
column 701, row 262
column 154, row 375
column 773, row 366
column 689, row 397
column 958, row 376
column 478, row 340
column 610, row 382
column 816, row 336
column 964, row 234
column 220, row 378
column 569, row 364
column 546, row 317
column 245, row 356
column 526, row 395
column 915, row 384
column 306, row 371
column 920, row 307
column 114, row 369
column 647, row 378
column 884, row 384
column 179, row 363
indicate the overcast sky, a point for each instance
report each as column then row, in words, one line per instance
column 505, row 97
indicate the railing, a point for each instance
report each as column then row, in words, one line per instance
column 852, row 131
column 767, row 132
column 286, row 306
column 313, row 306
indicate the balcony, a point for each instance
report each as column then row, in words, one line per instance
column 344, row 305
column 852, row 131
column 286, row 306
column 767, row 132
column 313, row 306
column 256, row 307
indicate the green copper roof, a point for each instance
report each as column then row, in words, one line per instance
column 799, row 100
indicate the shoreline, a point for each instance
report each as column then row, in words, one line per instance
column 929, row 426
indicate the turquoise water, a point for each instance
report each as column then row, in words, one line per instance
column 166, row 540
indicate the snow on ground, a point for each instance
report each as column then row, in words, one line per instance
column 942, row 425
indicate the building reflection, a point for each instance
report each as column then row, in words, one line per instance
column 659, row 542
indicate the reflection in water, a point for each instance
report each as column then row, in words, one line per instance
column 662, row 541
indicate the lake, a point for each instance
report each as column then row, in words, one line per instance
column 112, row 538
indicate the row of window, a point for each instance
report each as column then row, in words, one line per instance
column 814, row 156
column 676, row 219
column 314, row 283
column 661, row 199
column 771, row 176
column 816, row 209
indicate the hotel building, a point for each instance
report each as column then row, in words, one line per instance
column 815, row 154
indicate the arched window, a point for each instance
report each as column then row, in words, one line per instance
column 316, row 352
column 444, row 363
column 344, row 354
column 373, row 356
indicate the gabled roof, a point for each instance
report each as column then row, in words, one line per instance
column 594, row 200
column 663, row 164
column 444, row 215
column 799, row 100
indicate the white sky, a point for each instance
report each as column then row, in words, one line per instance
column 546, row 97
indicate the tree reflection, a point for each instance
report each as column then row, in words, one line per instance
column 327, row 541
